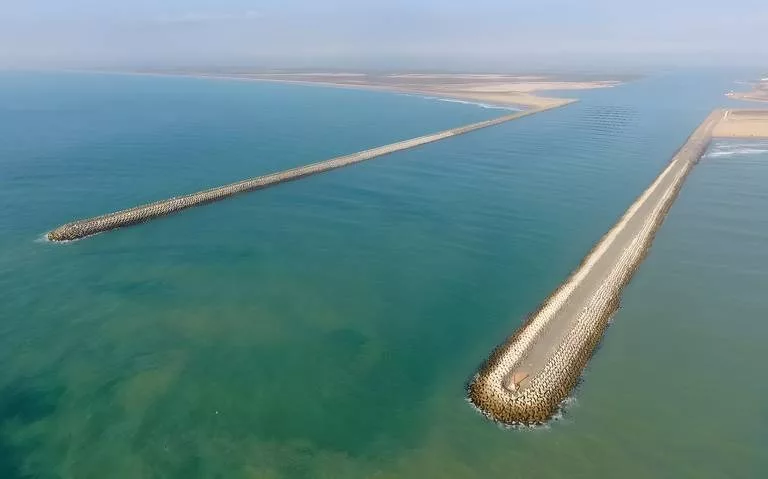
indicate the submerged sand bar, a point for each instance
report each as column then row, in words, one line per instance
column 87, row 227
column 526, row 378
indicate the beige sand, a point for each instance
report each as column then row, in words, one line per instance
column 743, row 124
column 469, row 76
column 522, row 93
column 496, row 89
column 509, row 98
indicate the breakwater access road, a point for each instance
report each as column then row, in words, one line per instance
column 139, row 214
column 527, row 377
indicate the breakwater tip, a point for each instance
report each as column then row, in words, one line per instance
column 54, row 236
column 65, row 233
column 551, row 349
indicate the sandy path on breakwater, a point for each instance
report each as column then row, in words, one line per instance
column 552, row 347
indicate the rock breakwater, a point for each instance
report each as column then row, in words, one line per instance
column 91, row 226
column 527, row 377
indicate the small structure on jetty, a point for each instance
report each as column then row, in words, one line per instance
column 91, row 226
column 526, row 378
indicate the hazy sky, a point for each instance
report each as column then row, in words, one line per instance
column 428, row 33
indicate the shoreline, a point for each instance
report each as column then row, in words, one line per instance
column 531, row 103
column 758, row 93
column 748, row 96
column 515, row 99
column 518, row 92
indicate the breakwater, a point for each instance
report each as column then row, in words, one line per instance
column 525, row 379
column 139, row 214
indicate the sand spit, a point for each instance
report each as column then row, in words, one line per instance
column 497, row 89
column 759, row 92
column 532, row 372
column 87, row 227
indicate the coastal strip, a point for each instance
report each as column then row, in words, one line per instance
column 744, row 123
column 139, row 214
column 526, row 378
column 492, row 89
column 759, row 92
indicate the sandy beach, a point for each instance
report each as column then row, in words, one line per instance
column 522, row 91
column 743, row 124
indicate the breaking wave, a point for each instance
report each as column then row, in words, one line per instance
column 467, row 102
column 720, row 150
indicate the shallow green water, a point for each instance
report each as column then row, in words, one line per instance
column 326, row 327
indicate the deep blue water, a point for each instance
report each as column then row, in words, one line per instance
column 326, row 327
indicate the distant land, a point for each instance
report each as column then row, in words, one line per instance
column 759, row 91
column 500, row 89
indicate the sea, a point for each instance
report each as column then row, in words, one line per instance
column 327, row 327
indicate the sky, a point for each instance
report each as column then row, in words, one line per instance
column 427, row 34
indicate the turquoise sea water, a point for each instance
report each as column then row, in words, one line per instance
column 325, row 328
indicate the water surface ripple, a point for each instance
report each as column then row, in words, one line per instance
column 326, row 328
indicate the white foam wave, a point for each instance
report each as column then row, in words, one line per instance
column 724, row 152
column 763, row 145
column 44, row 239
column 565, row 405
column 466, row 102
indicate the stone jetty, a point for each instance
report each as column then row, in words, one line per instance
column 87, row 227
column 526, row 378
